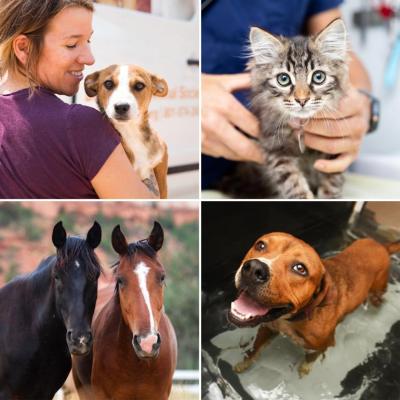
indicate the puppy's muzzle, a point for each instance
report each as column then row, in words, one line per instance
column 122, row 109
column 255, row 272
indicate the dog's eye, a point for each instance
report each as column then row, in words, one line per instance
column 108, row 84
column 300, row 269
column 139, row 86
column 260, row 245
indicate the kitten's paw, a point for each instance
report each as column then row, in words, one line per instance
column 328, row 194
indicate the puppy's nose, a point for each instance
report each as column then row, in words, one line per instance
column 121, row 108
column 255, row 271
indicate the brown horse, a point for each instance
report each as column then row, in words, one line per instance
column 134, row 348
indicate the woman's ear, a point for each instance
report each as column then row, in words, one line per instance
column 21, row 47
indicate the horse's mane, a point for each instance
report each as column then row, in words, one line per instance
column 74, row 247
column 141, row 246
column 135, row 247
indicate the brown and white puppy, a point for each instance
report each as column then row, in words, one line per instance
column 123, row 94
column 285, row 287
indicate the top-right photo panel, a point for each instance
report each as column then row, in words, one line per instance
column 299, row 99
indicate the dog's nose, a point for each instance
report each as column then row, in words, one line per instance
column 121, row 108
column 255, row 271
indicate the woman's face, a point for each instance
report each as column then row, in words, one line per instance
column 66, row 51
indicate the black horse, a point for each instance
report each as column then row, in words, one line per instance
column 46, row 315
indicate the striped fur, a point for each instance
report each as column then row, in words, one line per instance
column 314, row 74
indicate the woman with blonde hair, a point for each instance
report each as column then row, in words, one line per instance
column 50, row 149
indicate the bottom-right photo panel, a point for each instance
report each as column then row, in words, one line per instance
column 300, row 300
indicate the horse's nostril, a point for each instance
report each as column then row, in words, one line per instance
column 157, row 345
column 89, row 337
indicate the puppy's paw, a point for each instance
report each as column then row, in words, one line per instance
column 243, row 365
column 304, row 369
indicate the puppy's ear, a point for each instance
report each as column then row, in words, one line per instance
column 91, row 84
column 159, row 86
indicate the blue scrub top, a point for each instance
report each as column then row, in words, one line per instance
column 224, row 36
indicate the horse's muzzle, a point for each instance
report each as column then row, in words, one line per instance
column 147, row 346
column 78, row 343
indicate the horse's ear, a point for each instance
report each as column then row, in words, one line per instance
column 156, row 237
column 59, row 235
column 118, row 241
column 93, row 237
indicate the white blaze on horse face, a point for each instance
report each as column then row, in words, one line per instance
column 77, row 264
column 141, row 270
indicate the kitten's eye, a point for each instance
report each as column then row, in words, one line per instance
column 108, row 84
column 318, row 77
column 283, row 79
column 300, row 269
column 260, row 245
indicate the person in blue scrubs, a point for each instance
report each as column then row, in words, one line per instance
column 225, row 118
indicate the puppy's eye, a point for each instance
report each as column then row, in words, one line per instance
column 108, row 84
column 283, row 79
column 260, row 245
column 138, row 86
column 300, row 269
column 318, row 77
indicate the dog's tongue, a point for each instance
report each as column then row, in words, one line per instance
column 246, row 307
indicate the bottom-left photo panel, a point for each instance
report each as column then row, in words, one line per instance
column 99, row 300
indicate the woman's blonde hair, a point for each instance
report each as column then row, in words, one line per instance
column 30, row 18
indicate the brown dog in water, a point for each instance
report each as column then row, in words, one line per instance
column 285, row 287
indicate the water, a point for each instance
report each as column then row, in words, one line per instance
column 274, row 375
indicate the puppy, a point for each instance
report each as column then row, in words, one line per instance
column 123, row 94
column 285, row 287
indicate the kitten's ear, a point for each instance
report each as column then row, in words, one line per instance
column 265, row 48
column 332, row 41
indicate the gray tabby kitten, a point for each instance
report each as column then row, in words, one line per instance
column 292, row 79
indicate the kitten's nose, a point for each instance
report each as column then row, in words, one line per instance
column 302, row 102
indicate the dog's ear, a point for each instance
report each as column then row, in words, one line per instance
column 91, row 84
column 159, row 86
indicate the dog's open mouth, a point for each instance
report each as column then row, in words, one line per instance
column 247, row 312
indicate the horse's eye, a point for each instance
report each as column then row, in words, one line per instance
column 138, row 86
column 57, row 278
column 108, row 84
column 300, row 269
column 162, row 278
column 260, row 245
column 120, row 281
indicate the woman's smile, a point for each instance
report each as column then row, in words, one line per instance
column 66, row 51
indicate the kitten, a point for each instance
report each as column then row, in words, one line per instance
column 293, row 79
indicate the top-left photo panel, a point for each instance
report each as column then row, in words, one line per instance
column 99, row 99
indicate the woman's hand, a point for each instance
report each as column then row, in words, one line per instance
column 118, row 180
column 222, row 114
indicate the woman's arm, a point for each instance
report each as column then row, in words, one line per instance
column 118, row 180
